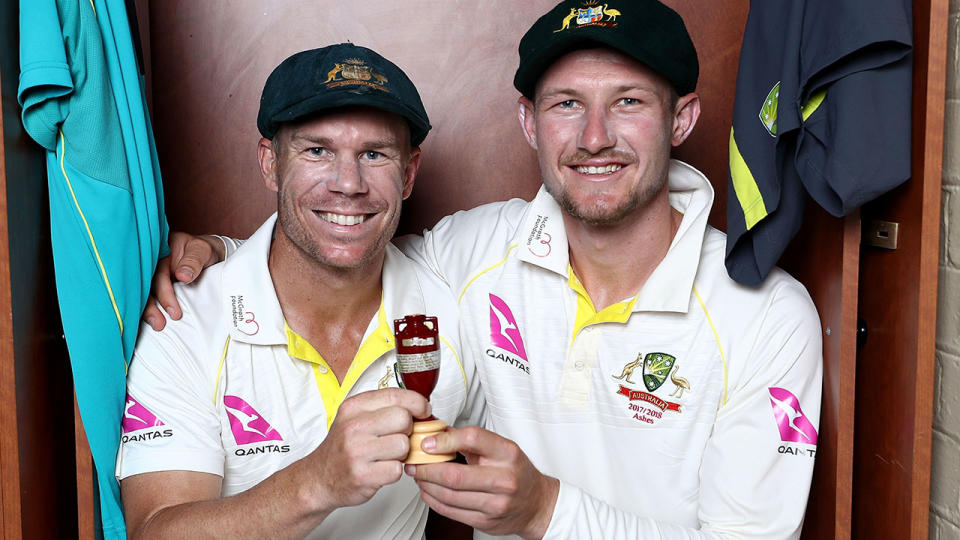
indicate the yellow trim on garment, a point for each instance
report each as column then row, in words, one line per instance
column 94, row 8
column 744, row 183
column 223, row 358
column 745, row 186
column 813, row 104
column 463, row 374
column 93, row 243
column 332, row 391
column 482, row 272
column 587, row 313
column 723, row 359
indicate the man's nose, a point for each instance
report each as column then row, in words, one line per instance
column 596, row 134
column 349, row 177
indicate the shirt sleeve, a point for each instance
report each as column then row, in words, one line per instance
column 758, row 462
column 230, row 245
column 171, row 420
column 45, row 79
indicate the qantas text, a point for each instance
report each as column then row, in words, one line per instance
column 507, row 359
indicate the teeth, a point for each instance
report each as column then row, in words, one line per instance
column 599, row 170
column 341, row 219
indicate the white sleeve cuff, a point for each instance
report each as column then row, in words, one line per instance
column 564, row 513
column 129, row 464
column 230, row 245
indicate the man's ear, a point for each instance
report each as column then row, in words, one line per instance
column 527, row 121
column 410, row 172
column 268, row 163
column 685, row 116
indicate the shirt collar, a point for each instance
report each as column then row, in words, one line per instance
column 249, row 299
column 253, row 310
column 542, row 240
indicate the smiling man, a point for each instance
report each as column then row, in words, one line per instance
column 264, row 411
column 656, row 397
column 633, row 390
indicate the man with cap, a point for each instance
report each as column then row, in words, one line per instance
column 632, row 389
column 270, row 408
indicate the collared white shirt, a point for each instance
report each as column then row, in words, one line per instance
column 230, row 390
column 689, row 410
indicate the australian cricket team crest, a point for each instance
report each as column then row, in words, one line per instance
column 656, row 369
column 768, row 113
column 355, row 71
column 591, row 14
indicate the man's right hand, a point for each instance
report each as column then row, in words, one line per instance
column 189, row 255
column 366, row 446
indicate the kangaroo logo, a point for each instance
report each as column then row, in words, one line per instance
column 794, row 425
column 137, row 417
column 247, row 425
column 503, row 328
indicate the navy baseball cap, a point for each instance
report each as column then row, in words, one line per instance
column 336, row 76
column 645, row 30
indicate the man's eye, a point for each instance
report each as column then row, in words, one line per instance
column 317, row 150
column 372, row 155
column 568, row 104
column 630, row 101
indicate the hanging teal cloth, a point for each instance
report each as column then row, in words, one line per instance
column 83, row 100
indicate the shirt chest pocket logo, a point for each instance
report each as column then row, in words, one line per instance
column 658, row 367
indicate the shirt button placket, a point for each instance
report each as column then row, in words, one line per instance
column 578, row 370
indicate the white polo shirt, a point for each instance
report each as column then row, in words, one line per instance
column 230, row 390
column 689, row 410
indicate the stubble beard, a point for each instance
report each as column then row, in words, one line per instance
column 602, row 214
column 305, row 242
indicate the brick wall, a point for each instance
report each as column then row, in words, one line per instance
column 945, row 479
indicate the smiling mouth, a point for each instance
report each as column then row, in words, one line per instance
column 584, row 169
column 342, row 219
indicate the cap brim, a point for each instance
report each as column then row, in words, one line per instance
column 321, row 102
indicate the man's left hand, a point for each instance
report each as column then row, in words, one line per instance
column 499, row 491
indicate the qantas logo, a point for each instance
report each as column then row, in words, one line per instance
column 794, row 425
column 137, row 417
column 247, row 424
column 503, row 328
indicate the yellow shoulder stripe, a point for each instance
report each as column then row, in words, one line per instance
column 482, row 272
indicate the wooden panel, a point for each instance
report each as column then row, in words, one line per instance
column 9, row 456
column 87, row 518
column 825, row 256
column 898, row 302
column 208, row 68
column 44, row 407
